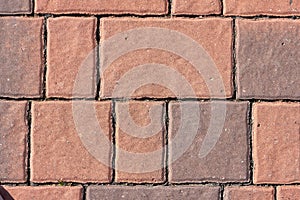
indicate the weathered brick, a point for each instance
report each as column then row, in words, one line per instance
column 212, row 38
column 15, row 7
column 135, row 142
column 288, row 193
column 258, row 7
column 62, row 150
column 43, row 192
column 228, row 159
column 276, row 142
column 196, row 7
column 13, row 133
column 140, row 7
column 20, row 56
column 268, row 57
column 158, row 192
column 71, row 57
column 249, row 193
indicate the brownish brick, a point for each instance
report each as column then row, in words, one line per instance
column 196, row 7
column 288, row 193
column 214, row 37
column 249, row 193
column 268, row 53
column 59, row 152
column 156, row 192
column 258, row 7
column 13, row 133
column 276, row 141
column 227, row 161
column 20, row 56
column 141, row 139
column 15, row 7
column 140, row 7
column 71, row 57
column 44, row 192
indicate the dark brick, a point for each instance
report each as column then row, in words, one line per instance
column 15, row 6
column 20, row 57
column 158, row 192
column 268, row 57
column 13, row 133
column 227, row 160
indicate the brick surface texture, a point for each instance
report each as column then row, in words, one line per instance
column 150, row 99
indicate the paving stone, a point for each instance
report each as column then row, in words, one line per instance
column 71, row 56
column 276, row 143
column 157, row 66
column 213, row 142
column 13, row 133
column 249, row 193
column 15, row 7
column 288, row 193
column 268, row 59
column 156, row 192
column 67, row 145
column 21, row 57
column 140, row 7
column 196, row 7
column 140, row 141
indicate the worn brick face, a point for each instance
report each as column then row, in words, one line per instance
column 258, row 7
column 15, row 7
column 159, row 192
column 143, row 135
column 212, row 38
column 288, row 193
column 249, row 193
column 20, row 56
column 268, row 57
column 71, row 57
column 225, row 162
column 196, row 7
column 58, row 148
column 276, row 142
column 141, row 7
column 43, row 192
column 13, row 133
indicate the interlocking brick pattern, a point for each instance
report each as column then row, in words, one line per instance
column 150, row 99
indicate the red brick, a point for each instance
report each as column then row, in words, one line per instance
column 268, row 53
column 214, row 37
column 276, row 141
column 249, row 193
column 44, row 192
column 13, row 133
column 58, row 149
column 288, row 193
column 71, row 57
column 140, row 7
column 225, row 162
column 20, row 56
column 258, row 7
column 196, row 7
column 156, row 192
column 15, row 7
column 150, row 139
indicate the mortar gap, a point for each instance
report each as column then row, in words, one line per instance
column 275, row 193
column 166, row 149
column 28, row 121
column 113, row 137
column 221, row 194
column 234, row 68
column 84, row 189
column 98, row 79
column 45, row 51
column 250, row 142
column 170, row 7
column 222, row 7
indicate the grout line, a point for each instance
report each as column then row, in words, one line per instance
column 250, row 143
column 84, row 189
column 234, row 68
column 222, row 7
column 98, row 80
column 170, row 7
column 221, row 197
column 32, row 7
column 45, row 50
column 166, row 149
column 113, row 162
column 275, row 193
column 29, row 120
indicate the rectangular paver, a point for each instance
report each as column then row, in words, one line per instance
column 288, row 192
column 249, row 193
column 15, row 7
column 196, row 7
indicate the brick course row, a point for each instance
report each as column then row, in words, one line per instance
column 155, row 7
column 266, row 63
